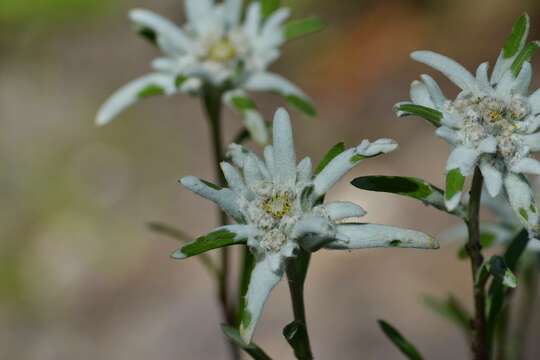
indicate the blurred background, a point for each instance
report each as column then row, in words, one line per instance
column 82, row 277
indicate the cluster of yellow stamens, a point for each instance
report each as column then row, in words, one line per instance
column 221, row 51
column 278, row 205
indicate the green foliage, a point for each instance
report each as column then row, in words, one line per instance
column 517, row 36
column 252, row 349
column 298, row 28
column 524, row 55
column 151, row 90
column 248, row 263
column 454, row 183
column 403, row 345
column 269, row 6
column 431, row 115
column 297, row 336
column 330, row 155
column 302, row 104
column 213, row 240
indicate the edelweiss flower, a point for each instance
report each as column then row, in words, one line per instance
column 493, row 123
column 278, row 208
column 214, row 48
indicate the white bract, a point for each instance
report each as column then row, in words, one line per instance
column 278, row 207
column 217, row 49
column 493, row 123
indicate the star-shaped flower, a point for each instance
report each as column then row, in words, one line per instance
column 493, row 123
column 215, row 48
column 278, row 209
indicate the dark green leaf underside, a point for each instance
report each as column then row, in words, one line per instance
column 431, row 115
column 330, row 155
column 252, row 349
column 519, row 31
column 301, row 104
column 151, row 90
column 407, row 186
column 403, row 345
column 213, row 240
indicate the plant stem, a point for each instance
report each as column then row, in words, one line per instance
column 296, row 275
column 474, row 249
column 526, row 308
column 212, row 105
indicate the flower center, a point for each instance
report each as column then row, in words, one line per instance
column 278, row 205
column 489, row 116
column 222, row 51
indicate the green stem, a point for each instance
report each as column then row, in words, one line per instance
column 212, row 105
column 474, row 249
column 526, row 308
column 503, row 331
column 296, row 275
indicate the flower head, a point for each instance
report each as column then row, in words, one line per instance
column 493, row 123
column 215, row 48
column 278, row 207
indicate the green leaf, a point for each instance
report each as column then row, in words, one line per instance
column 180, row 80
column 296, row 335
column 519, row 32
column 252, row 349
column 406, row 347
column 248, row 263
column 179, row 235
column 433, row 116
column 297, row 28
column 151, row 90
column 148, row 34
column 243, row 103
column 498, row 269
column 497, row 291
column 330, row 155
column 268, row 7
column 301, row 104
column 452, row 310
column 524, row 55
column 213, row 240
column 454, row 183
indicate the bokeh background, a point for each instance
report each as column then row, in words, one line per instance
column 82, row 277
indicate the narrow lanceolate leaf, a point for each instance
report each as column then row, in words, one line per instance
column 252, row 349
column 296, row 335
column 151, row 90
column 433, row 116
column 297, row 28
column 179, row 235
column 500, row 271
column 302, row 104
column 330, row 155
column 248, row 263
column 213, row 240
column 517, row 37
column 497, row 291
column 452, row 310
column 243, row 103
column 524, row 55
column 403, row 345
column 268, row 7
column 407, row 186
column 454, row 186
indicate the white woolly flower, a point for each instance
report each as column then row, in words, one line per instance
column 215, row 48
column 493, row 123
column 278, row 207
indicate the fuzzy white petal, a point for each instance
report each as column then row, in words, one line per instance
column 341, row 210
column 448, row 134
column 284, row 155
column 492, row 176
column 527, row 166
column 224, row 198
column 464, row 159
column 373, row 236
column 163, row 27
column 521, row 199
column 265, row 81
column 482, row 77
column 233, row 177
column 420, row 94
column 261, row 283
column 198, row 11
column 130, row 94
column 304, row 170
column 434, row 90
column 532, row 141
column 454, row 71
column 253, row 19
column 233, row 11
column 534, row 100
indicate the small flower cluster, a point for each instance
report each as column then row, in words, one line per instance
column 493, row 124
column 214, row 49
